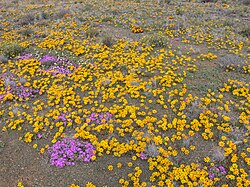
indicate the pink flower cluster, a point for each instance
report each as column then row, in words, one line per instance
column 67, row 151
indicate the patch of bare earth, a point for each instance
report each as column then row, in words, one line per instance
column 20, row 162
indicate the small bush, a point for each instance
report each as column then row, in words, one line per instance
column 26, row 32
column 232, row 62
column 44, row 15
column 3, row 59
column 217, row 154
column 27, row 19
column 245, row 32
column 209, row 1
column 87, row 7
column 11, row 50
column 156, row 40
column 193, row 111
column 107, row 19
column 246, row 2
column 152, row 150
column 42, row 23
column 2, row 145
column 179, row 11
column 82, row 19
column 92, row 32
column 108, row 41
column 228, row 22
column 61, row 13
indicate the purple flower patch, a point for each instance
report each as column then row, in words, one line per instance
column 216, row 171
column 63, row 118
column 67, row 151
column 39, row 136
column 48, row 58
column 25, row 56
column 2, row 96
column 143, row 156
column 24, row 91
column 99, row 117
column 57, row 65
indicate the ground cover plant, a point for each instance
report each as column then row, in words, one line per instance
column 124, row 93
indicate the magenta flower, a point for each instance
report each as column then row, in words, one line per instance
column 67, row 151
column 216, row 171
column 39, row 136
column 143, row 156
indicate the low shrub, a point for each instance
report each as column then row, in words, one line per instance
column 246, row 2
column 245, row 32
column 156, row 40
column 61, row 13
column 232, row 62
column 92, row 32
column 26, row 32
column 108, row 41
column 27, row 19
column 3, row 59
column 11, row 50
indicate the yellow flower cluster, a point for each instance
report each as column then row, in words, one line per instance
column 190, row 175
column 89, row 184
column 208, row 56
column 20, row 184
column 136, row 29
column 28, row 137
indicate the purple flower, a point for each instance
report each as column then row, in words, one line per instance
column 48, row 58
column 98, row 117
column 67, row 151
column 217, row 171
column 57, row 65
column 211, row 176
column 23, row 91
column 25, row 56
column 222, row 170
column 143, row 156
column 2, row 96
column 39, row 136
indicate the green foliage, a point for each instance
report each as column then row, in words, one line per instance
column 246, row 2
column 156, row 40
column 87, row 7
column 92, row 32
column 27, row 19
column 26, row 32
column 179, row 11
column 209, row 1
column 11, row 50
column 245, row 32
column 44, row 15
column 2, row 144
column 107, row 19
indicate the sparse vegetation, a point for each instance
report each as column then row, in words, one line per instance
column 156, row 40
column 61, row 13
column 27, row 19
column 11, row 50
column 108, row 40
column 27, row 32
column 92, row 32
